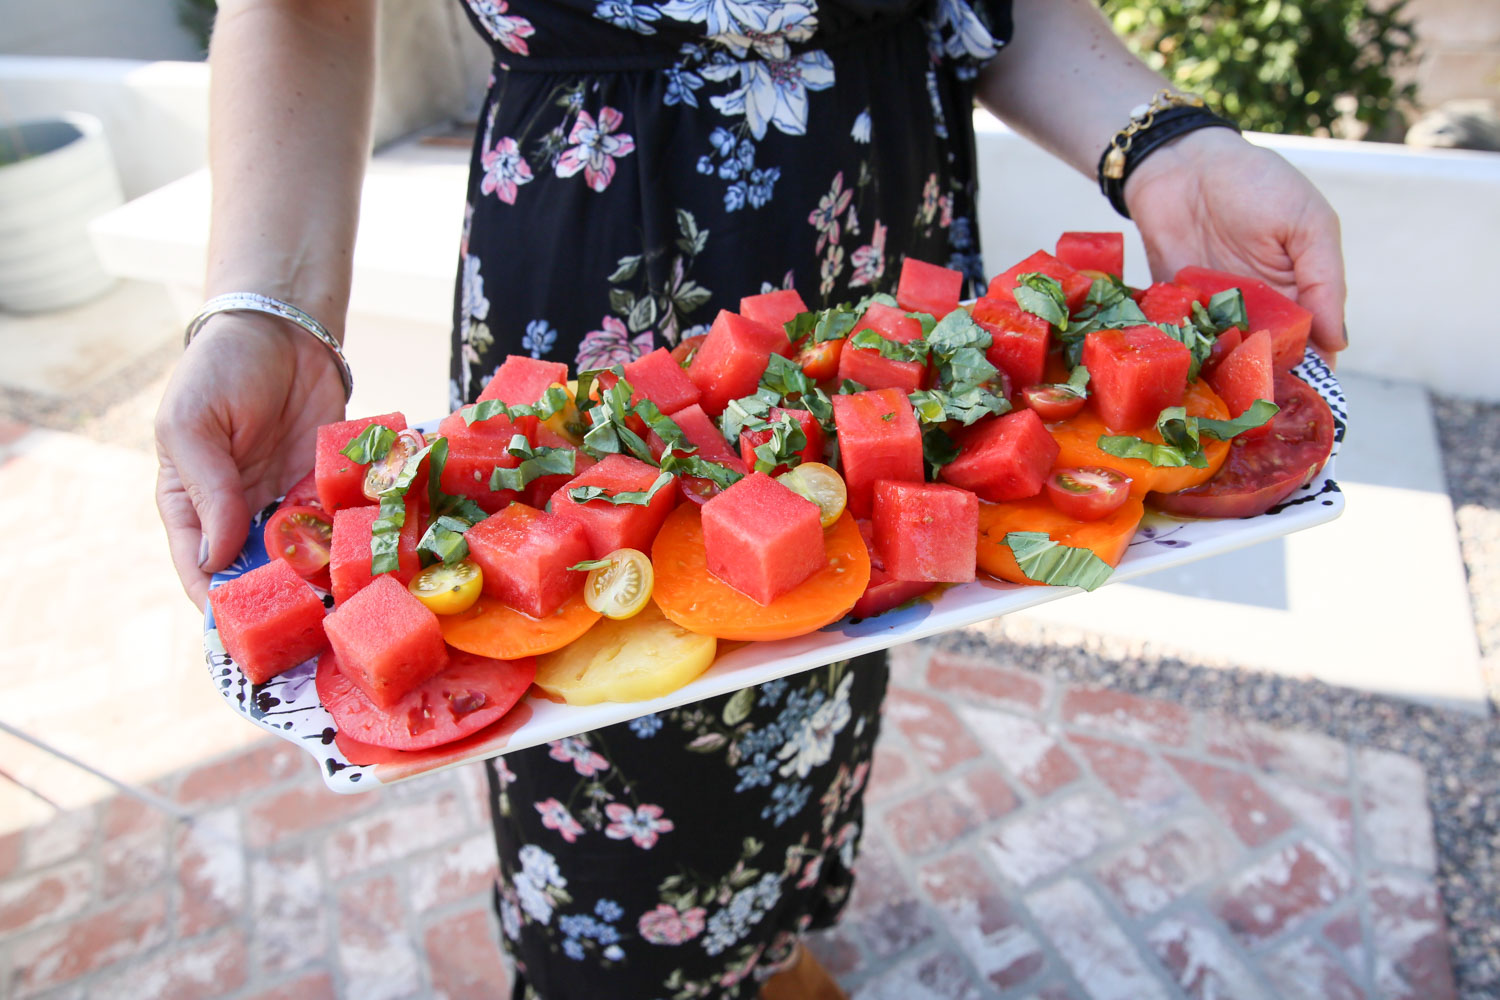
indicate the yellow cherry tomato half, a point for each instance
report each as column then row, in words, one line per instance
column 820, row 484
column 448, row 588
column 382, row 474
column 621, row 587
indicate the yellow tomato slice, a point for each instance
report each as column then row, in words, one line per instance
column 621, row 588
column 632, row 660
column 566, row 422
column 822, row 485
column 448, row 589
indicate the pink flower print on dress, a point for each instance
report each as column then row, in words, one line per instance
column 595, row 147
column 666, row 925
column 825, row 218
column 642, row 824
column 555, row 816
column 585, row 761
column 869, row 260
column 507, row 29
column 504, row 170
column 612, row 345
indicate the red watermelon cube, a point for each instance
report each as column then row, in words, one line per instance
column 773, row 309
column 730, row 362
column 609, row 526
column 811, row 429
column 866, row 366
column 269, row 620
column 387, row 642
column 702, row 434
column 340, row 479
column 1168, row 302
column 1134, row 373
column 521, row 381
column 658, row 378
column 349, row 556
column 1006, row 458
column 474, row 451
column 1093, row 252
column 761, row 538
column 1266, row 308
column 879, row 438
column 525, row 554
column 928, row 288
column 1075, row 286
column 1019, row 340
column 926, row 531
column 1246, row 374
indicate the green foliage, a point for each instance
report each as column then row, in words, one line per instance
column 1278, row 65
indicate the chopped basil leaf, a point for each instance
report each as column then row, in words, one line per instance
column 1108, row 305
column 887, row 417
column 1226, row 309
column 1160, row 455
column 748, row 412
column 1199, row 344
column 786, row 378
column 938, row 449
column 588, row 564
column 639, row 498
column 370, row 445
column 1078, row 380
column 933, row 406
column 787, row 441
column 891, row 350
column 552, row 402
column 849, row 387
column 535, row 463
column 385, row 533
column 1259, row 413
column 1042, row 295
column 1181, row 434
column 957, row 331
column 443, row 541
column 701, row 468
column 1055, row 564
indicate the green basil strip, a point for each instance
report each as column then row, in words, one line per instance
column 385, row 534
column 535, row 463
column 1160, row 455
column 1055, row 564
column 370, row 445
column 938, row 449
column 552, row 402
column 934, row 406
column 1199, row 344
column 848, row 387
column 443, row 541
column 1078, row 380
column 701, row 468
column 1259, row 413
column 583, row 494
column 747, row 412
column 1042, row 295
column 787, row 441
column 785, row 377
column 956, row 331
column 588, row 564
column 1226, row 309
column 891, row 350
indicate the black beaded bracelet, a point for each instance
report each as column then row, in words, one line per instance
column 1150, row 129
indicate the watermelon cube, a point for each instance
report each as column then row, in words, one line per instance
column 928, row 288
column 811, row 429
column 761, row 538
column 658, row 378
column 1246, row 374
column 525, row 554
column 868, row 367
column 609, row 526
column 773, row 309
column 1019, row 340
column 730, row 362
column 387, row 642
column 1134, row 373
column 1168, row 302
column 340, row 479
column 1075, row 286
column 702, row 434
column 926, row 531
column 474, row 451
column 269, row 620
column 1093, row 252
column 349, row 556
column 879, row 438
column 521, row 381
column 1006, row 458
column 1266, row 308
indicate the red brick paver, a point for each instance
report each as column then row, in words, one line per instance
column 1024, row 839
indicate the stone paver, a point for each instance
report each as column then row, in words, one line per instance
column 1025, row 839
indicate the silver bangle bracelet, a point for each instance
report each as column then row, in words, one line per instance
column 255, row 302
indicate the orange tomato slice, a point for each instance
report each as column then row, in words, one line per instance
column 694, row 598
column 1078, row 438
column 498, row 630
column 1107, row 537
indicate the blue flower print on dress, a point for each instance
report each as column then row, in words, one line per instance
column 771, row 691
column 745, row 909
column 630, row 16
column 682, row 84
column 786, row 802
column 646, row 726
column 539, row 338
column 757, row 773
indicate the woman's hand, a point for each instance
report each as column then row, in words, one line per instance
column 236, row 427
column 1213, row 199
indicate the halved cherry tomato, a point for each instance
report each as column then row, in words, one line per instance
column 448, row 588
column 1088, row 493
column 622, row 588
column 304, row 493
column 697, row 489
column 1052, row 401
column 382, row 474
column 302, row 535
column 820, row 361
column 822, row 485
column 683, row 352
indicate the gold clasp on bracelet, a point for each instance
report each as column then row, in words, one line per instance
column 1142, row 118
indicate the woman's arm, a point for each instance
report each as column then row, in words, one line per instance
column 289, row 134
column 1068, row 83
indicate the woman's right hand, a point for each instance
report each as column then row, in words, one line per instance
column 236, row 427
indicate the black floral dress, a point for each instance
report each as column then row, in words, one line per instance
column 638, row 167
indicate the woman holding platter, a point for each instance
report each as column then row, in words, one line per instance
column 637, row 167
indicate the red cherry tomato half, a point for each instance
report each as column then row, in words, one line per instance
column 700, row 491
column 304, row 492
column 1052, row 401
column 1089, row 493
column 683, row 352
column 302, row 535
column 820, row 361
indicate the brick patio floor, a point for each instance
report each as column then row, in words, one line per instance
column 1025, row 839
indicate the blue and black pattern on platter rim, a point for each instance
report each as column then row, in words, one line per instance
column 288, row 705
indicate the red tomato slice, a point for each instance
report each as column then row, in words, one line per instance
column 1053, row 402
column 820, row 361
column 304, row 493
column 302, row 535
column 1089, row 493
column 1263, row 471
column 472, row 692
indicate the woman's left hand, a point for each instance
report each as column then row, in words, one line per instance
column 1213, row 199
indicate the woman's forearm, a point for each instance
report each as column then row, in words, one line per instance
column 1066, row 82
column 289, row 134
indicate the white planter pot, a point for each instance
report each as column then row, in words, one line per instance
column 46, row 202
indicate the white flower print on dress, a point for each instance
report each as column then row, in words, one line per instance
column 595, row 146
column 504, row 170
column 539, row 883
column 474, row 303
column 967, row 35
column 869, row 260
column 861, row 131
column 630, row 16
column 766, row 26
column 509, row 30
column 812, row 744
column 612, row 345
column 772, row 91
column 643, row 824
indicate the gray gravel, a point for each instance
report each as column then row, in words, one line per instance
column 1461, row 753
